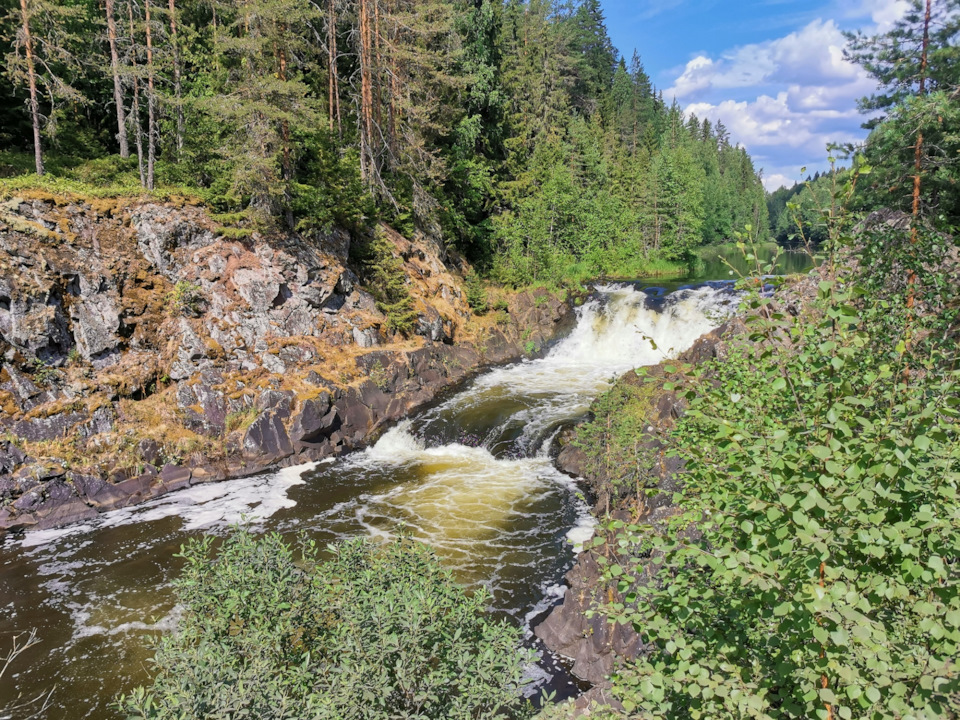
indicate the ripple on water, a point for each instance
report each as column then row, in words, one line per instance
column 472, row 477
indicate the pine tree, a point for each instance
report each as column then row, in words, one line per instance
column 151, row 97
column 918, row 55
column 333, row 75
column 43, row 59
column 133, row 69
column 174, row 38
column 115, row 73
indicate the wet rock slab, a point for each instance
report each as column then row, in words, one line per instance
column 287, row 430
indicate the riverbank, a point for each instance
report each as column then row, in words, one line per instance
column 619, row 456
column 702, row 570
column 146, row 349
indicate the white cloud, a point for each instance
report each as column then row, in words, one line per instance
column 768, row 123
column 777, row 180
column 883, row 13
column 791, row 96
column 810, row 56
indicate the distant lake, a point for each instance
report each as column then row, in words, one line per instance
column 714, row 267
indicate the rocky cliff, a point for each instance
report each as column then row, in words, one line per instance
column 145, row 348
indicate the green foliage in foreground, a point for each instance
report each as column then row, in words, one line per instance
column 824, row 481
column 378, row 631
column 615, row 442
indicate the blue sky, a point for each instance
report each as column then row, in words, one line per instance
column 771, row 70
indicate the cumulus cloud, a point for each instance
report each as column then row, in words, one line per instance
column 777, row 180
column 810, row 56
column 791, row 95
column 883, row 13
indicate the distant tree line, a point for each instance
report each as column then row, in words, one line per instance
column 913, row 150
column 511, row 130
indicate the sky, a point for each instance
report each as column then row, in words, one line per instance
column 771, row 70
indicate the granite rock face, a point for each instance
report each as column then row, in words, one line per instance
column 146, row 348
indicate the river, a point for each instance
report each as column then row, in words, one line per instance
column 471, row 476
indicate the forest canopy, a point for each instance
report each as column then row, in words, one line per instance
column 513, row 132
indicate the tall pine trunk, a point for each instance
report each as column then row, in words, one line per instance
column 135, row 109
column 177, row 87
column 918, row 148
column 117, row 87
column 286, row 161
column 151, row 102
column 366, row 95
column 377, row 102
column 334, row 80
column 216, row 35
column 917, row 168
column 394, row 88
column 32, row 81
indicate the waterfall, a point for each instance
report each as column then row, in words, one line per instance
column 472, row 477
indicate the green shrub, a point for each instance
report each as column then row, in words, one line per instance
column 615, row 442
column 386, row 280
column 476, row 292
column 184, row 299
column 240, row 419
column 378, row 631
column 823, row 478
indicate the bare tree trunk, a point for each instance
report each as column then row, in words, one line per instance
column 656, row 220
column 151, row 103
column 286, row 162
column 287, row 158
column 917, row 167
column 216, row 35
column 32, row 81
column 174, row 41
column 378, row 67
column 918, row 147
column 117, row 87
column 334, row 80
column 366, row 94
column 394, row 88
column 135, row 109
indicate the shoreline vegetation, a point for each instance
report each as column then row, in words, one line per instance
column 780, row 517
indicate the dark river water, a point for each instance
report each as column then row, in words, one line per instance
column 472, row 477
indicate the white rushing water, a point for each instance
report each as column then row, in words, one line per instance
column 621, row 329
column 477, row 467
column 472, row 477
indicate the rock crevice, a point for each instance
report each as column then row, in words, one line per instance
column 144, row 348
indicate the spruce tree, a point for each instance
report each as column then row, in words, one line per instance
column 264, row 100
column 43, row 59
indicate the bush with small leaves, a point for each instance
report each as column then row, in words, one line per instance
column 822, row 471
column 377, row 631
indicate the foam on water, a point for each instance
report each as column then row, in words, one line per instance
column 463, row 501
column 253, row 499
column 472, row 477
column 620, row 330
column 466, row 501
